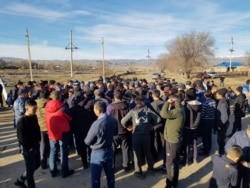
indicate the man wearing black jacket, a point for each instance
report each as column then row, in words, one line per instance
column 158, row 142
column 239, row 110
column 29, row 137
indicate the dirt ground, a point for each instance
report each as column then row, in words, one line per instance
column 12, row 165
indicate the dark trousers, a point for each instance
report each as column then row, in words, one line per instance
column 172, row 152
column 44, row 148
column 125, row 142
column 237, row 125
column 221, row 137
column 157, row 144
column 141, row 143
column 32, row 162
column 206, row 134
column 82, row 149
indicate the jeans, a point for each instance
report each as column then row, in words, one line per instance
column 64, row 151
column 32, row 162
column 102, row 158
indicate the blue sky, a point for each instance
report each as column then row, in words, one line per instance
column 129, row 27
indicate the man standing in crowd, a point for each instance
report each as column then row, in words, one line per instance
column 174, row 114
column 19, row 105
column 225, row 171
column 118, row 109
column 239, row 110
column 242, row 139
column 100, row 139
column 58, row 125
column 222, row 118
column 29, row 136
column 207, row 122
column 158, row 137
column 142, row 120
column 44, row 145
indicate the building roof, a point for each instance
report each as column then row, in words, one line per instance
column 227, row 64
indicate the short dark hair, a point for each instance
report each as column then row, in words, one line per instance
column 138, row 100
column 43, row 94
column 208, row 94
column 100, row 106
column 118, row 94
column 156, row 93
column 30, row 102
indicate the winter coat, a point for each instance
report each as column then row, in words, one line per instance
column 57, row 119
column 41, row 103
column 118, row 110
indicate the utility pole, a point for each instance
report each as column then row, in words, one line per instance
column 29, row 56
column 103, row 63
column 148, row 56
column 71, row 47
column 231, row 52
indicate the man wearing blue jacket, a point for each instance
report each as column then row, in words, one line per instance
column 100, row 139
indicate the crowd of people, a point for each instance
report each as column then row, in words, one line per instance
column 148, row 122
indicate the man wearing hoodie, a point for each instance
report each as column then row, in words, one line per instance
column 58, row 125
column 192, row 109
column 119, row 109
column 239, row 109
column 142, row 120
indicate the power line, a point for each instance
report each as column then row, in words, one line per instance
column 71, row 47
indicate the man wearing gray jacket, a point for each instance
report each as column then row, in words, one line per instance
column 242, row 139
column 142, row 121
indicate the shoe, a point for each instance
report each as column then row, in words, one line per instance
column 18, row 183
column 53, row 173
column 139, row 174
column 163, row 169
column 69, row 173
column 151, row 171
column 126, row 169
column 43, row 165
column 204, row 154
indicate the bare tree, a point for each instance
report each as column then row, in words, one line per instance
column 161, row 62
column 247, row 58
column 191, row 50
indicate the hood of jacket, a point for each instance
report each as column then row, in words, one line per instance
column 53, row 106
column 195, row 105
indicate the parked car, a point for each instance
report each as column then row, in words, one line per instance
column 203, row 75
column 213, row 74
column 156, row 76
